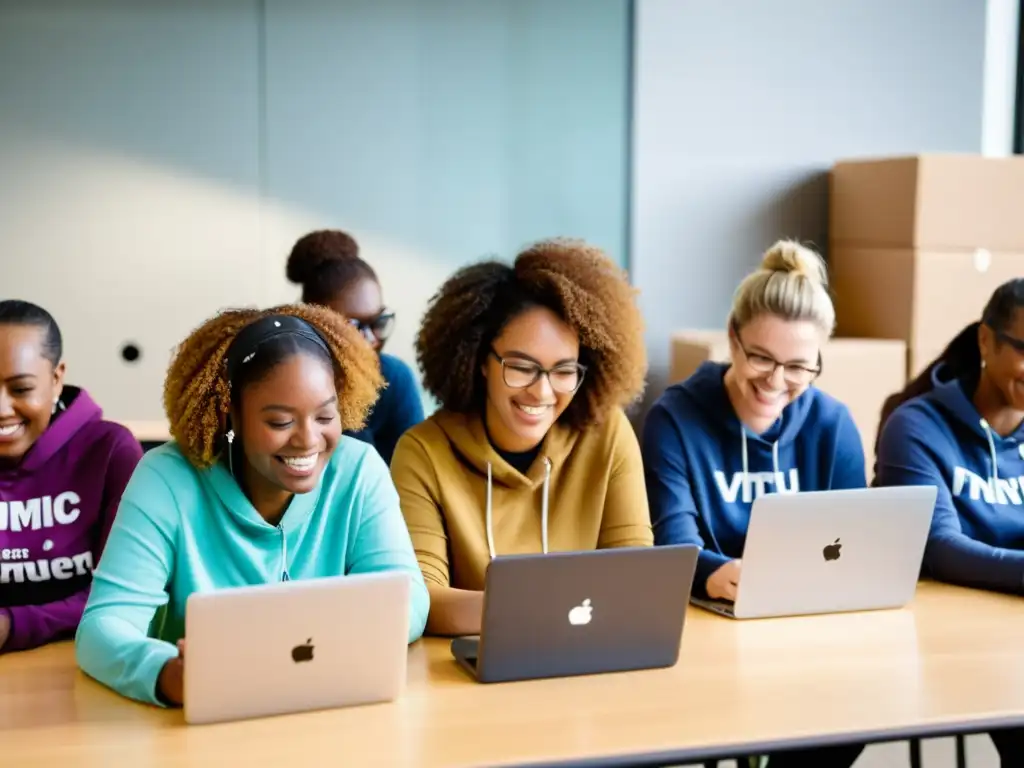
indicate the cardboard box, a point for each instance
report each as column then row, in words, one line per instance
column 932, row 201
column 922, row 297
column 861, row 373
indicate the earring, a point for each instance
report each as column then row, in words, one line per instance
column 230, row 436
column 983, row 365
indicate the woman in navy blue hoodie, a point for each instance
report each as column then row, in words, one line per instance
column 732, row 432
column 960, row 427
column 326, row 263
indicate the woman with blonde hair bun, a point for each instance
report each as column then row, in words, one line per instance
column 734, row 431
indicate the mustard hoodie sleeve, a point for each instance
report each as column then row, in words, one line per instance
column 627, row 517
column 417, row 484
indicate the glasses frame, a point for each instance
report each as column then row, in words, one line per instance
column 384, row 316
column 1006, row 338
column 814, row 373
column 582, row 369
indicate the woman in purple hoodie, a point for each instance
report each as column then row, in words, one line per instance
column 62, row 472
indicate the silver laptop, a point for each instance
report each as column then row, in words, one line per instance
column 295, row 646
column 579, row 613
column 831, row 551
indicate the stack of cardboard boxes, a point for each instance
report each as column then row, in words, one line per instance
column 917, row 245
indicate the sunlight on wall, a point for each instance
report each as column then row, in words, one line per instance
column 123, row 251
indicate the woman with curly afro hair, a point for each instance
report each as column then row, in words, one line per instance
column 530, row 451
column 258, row 486
column 327, row 264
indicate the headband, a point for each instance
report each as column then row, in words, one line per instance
column 247, row 342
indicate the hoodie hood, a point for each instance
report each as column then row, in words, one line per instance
column 1004, row 456
column 467, row 435
column 75, row 410
column 939, row 439
column 704, row 470
column 706, row 388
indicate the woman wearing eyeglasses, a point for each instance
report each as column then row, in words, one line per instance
column 734, row 431
column 960, row 427
column 327, row 265
column 530, row 452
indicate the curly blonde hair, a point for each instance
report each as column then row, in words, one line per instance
column 575, row 280
column 197, row 393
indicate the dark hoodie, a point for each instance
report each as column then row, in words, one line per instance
column 56, row 508
column 703, row 469
column 940, row 439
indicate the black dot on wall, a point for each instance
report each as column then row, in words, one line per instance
column 130, row 353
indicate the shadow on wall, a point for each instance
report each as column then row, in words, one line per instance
column 122, row 251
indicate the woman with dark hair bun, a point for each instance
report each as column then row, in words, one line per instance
column 326, row 263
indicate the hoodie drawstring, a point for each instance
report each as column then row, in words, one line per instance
column 544, row 506
column 284, row 555
column 489, row 515
column 775, row 462
column 992, row 453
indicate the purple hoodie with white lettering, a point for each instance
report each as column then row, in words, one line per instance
column 56, row 509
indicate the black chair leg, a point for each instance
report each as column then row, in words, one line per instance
column 915, row 753
column 961, row 752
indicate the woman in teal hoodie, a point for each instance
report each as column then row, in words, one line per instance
column 258, row 486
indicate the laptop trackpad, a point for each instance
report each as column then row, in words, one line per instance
column 466, row 648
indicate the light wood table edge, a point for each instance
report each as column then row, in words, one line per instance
column 691, row 755
column 148, row 431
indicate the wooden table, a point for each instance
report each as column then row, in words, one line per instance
column 148, row 431
column 953, row 662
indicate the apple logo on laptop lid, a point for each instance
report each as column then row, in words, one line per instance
column 303, row 652
column 831, row 551
column 581, row 614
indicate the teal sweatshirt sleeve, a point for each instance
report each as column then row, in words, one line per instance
column 382, row 541
column 849, row 469
column 129, row 585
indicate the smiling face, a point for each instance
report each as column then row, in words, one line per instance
column 518, row 417
column 29, row 386
column 774, row 362
column 288, row 428
column 1003, row 354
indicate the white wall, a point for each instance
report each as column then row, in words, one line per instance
column 160, row 158
column 742, row 107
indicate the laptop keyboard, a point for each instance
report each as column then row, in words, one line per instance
column 719, row 606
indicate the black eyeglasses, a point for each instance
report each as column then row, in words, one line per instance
column 1013, row 341
column 518, row 373
column 376, row 328
column 765, row 365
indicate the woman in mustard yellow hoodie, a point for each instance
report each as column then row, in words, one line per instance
column 530, row 450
